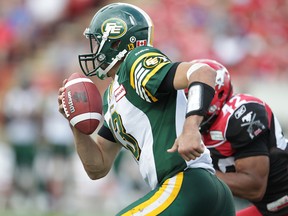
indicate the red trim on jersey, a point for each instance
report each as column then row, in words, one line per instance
column 219, row 127
column 251, row 210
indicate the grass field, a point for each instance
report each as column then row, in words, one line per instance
column 96, row 212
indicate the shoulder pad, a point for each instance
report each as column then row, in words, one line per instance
column 246, row 123
column 142, row 68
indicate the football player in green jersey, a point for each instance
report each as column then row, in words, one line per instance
column 146, row 112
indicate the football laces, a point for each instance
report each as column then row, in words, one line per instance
column 65, row 108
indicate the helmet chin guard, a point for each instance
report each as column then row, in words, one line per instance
column 114, row 30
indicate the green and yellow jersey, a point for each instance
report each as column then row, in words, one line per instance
column 147, row 121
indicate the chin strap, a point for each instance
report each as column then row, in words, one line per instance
column 118, row 57
column 104, row 39
column 102, row 74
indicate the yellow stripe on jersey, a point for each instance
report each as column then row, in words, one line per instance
column 152, row 62
column 154, row 99
column 132, row 81
column 161, row 200
column 147, row 78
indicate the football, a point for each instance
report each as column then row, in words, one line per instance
column 82, row 103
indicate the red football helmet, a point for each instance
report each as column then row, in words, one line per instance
column 223, row 89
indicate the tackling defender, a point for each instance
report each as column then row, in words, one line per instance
column 146, row 112
column 249, row 150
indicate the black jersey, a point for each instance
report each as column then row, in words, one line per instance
column 247, row 127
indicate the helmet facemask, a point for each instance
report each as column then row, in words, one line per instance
column 97, row 62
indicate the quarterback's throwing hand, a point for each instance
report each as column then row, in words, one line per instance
column 189, row 145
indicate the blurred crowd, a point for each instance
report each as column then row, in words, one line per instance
column 247, row 36
column 39, row 46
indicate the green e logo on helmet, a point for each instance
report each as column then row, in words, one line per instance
column 116, row 27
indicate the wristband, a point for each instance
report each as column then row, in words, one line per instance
column 200, row 96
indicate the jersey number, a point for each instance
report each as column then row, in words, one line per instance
column 127, row 140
